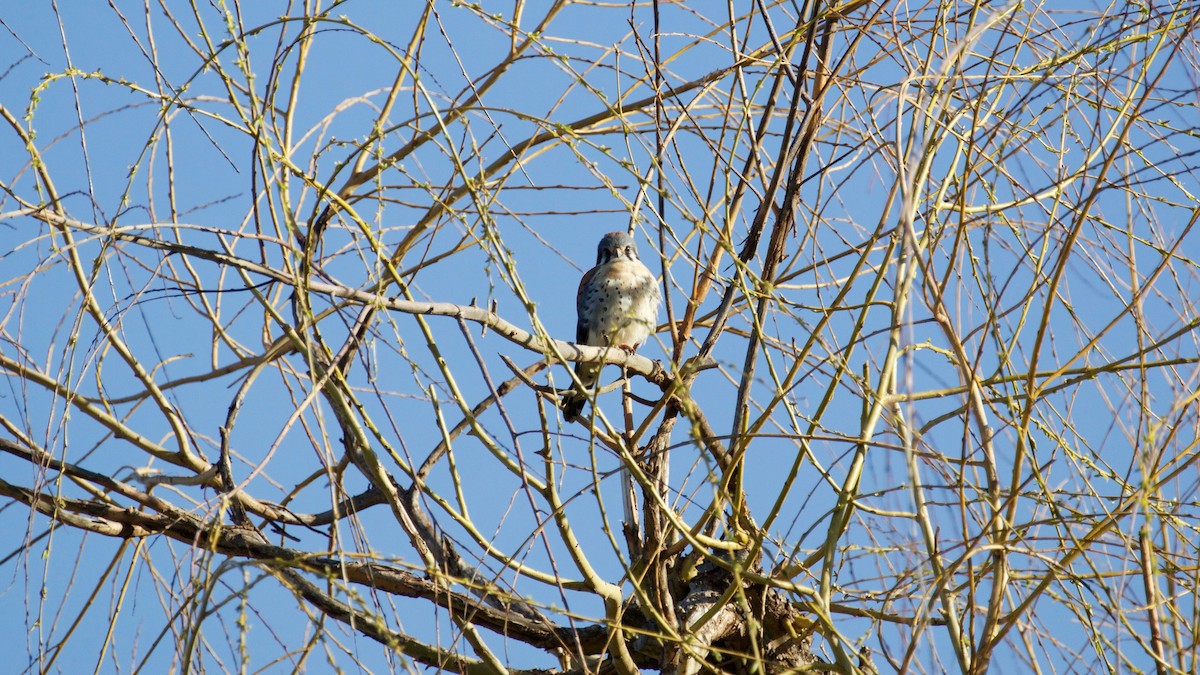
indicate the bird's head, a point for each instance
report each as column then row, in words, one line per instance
column 616, row 245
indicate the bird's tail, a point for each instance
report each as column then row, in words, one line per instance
column 572, row 404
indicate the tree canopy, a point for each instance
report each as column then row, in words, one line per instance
column 287, row 302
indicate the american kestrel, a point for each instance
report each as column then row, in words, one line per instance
column 617, row 305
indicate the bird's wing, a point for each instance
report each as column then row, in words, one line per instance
column 582, row 315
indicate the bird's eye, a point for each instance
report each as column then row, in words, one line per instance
column 629, row 252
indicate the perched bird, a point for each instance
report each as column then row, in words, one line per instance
column 617, row 306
